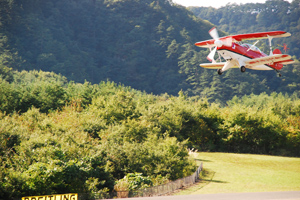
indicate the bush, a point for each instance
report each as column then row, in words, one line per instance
column 83, row 137
column 132, row 182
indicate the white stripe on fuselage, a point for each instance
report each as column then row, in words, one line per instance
column 241, row 59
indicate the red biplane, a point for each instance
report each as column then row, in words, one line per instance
column 243, row 56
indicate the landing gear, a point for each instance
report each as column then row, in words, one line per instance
column 220, row 71
column 279, row 75
column 243, row 69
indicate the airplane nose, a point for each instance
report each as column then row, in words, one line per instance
column 218, row 43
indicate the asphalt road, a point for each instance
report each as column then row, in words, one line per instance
column 234, row 196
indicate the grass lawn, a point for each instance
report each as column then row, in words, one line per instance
column 230, row 173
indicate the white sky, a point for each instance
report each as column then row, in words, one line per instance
column 216, row 3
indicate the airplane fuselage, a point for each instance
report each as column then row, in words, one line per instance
column 245, row 52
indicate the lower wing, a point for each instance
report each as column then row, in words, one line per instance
column 215, row 65
column 277, row 58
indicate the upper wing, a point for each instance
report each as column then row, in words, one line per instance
column 261, row 35
column 215, row 65
column 277, row 58
column 206, row 43
column 249, row 36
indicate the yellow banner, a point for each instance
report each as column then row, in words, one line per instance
column 71, row 196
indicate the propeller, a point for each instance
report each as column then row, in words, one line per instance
column 211, row 55
column 219, row 42
column 214, row 33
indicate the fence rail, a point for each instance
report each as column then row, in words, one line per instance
column 163, row 189
column 148, row 192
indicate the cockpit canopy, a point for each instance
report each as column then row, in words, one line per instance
column 253, row 48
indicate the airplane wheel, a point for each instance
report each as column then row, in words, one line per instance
column 243, row 69
column 220, row 71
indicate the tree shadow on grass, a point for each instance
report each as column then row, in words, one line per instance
column 205, row 183
column 214, row 181
column 203, row 160
column 208, row 177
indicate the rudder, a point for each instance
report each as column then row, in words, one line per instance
column 276, row 51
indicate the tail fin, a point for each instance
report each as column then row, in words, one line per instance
column 277, row 51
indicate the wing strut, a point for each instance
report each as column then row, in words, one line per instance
column 270, row 44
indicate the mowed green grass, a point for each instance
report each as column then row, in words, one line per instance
column 230, row 173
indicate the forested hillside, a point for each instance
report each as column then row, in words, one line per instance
column 61, row 134
column 145, row 44
column 134, row 42
column 58, row 136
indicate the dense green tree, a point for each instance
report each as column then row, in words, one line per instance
column 147, row 45
column 73, row 137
